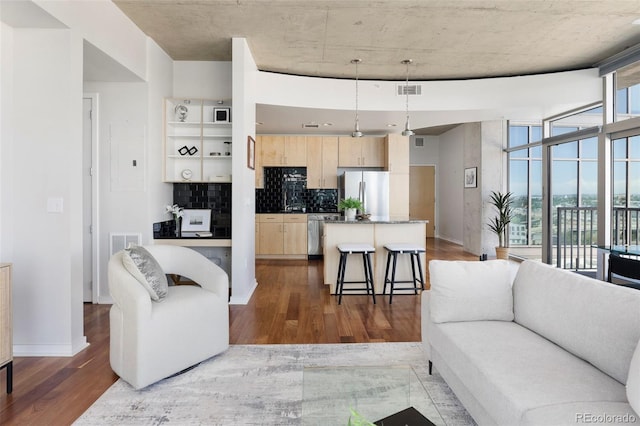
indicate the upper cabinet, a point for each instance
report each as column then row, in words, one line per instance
column 280, row 151
column 397, row 153
column 259, row 171
column 361, row 152
column 322, row 162
column 197, row 141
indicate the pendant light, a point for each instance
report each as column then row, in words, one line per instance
column 356, row 131
column 407, row 128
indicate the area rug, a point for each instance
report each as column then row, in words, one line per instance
column 263, row 385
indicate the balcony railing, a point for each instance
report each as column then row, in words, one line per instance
column 577, row 229
column 626, row 222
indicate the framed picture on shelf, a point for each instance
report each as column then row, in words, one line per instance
column 222, row 115
column 251, row 153
column 196, row 220
column 471, row 177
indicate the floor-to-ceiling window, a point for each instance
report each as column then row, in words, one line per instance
column 570, row 150
column 626, row 190
column 525, row 184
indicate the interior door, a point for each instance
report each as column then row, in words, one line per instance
column 422, row 196
column 87, row 196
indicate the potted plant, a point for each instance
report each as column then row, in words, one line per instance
column 500, row 223
column 350, row 206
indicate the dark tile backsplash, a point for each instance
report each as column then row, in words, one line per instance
column 287, row 186
column 214, row 196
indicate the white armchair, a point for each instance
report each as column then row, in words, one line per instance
column 154, row 340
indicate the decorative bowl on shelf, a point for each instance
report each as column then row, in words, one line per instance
column 363, row 216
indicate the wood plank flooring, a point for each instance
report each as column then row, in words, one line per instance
column 290, row 305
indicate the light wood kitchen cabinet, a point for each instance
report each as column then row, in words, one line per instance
column 284, row 151
column 361, row 152
column 397, row 153
column 6, row 324
column 322, row 162
column 281, row 236
column 270, row 238
column 399, row 195
column 272, row 150
column 295, row 151
column 259, row 170
column 295, row 234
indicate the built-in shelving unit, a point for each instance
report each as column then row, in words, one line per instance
column 197, row 145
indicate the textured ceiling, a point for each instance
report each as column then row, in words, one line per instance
column 447, row 39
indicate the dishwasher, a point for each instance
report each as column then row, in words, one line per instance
column 315, row 232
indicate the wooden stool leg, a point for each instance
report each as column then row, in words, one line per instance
column 413, row 273
column 420, row 270
column 386, row 273
column 343, row 262
column 370, row 280
column 393, row 276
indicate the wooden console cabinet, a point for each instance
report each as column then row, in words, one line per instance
column 6, row 324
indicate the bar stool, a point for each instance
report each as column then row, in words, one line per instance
column 345, row 250
column 393, row 250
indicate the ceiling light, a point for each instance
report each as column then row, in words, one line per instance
column 391, row 125
column 356, row 131
column 407, row 128
column 327, row 124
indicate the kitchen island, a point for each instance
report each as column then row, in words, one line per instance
column 376, row 231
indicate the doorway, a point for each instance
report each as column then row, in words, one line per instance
column 89, row 199
column 422, row 196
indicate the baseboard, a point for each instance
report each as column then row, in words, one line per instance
column 50, row 350
column 460, row 243
column 244, row 299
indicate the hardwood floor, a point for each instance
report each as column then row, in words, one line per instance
column 290, row 305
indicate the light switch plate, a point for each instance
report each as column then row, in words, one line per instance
column 55, row 205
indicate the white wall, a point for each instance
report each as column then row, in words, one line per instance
column 122, row 138
column 243, row 197
column 472, row 197
column 104, row 25
column 6, row 139
column 202, row 80
column 493, row 177
column 41, row 160
column 43, row 163
column 450, row 185
column 446, row 101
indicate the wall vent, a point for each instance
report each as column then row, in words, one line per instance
column 310, row 125
column 419, row 141
column 120, row 241
column 411, row 89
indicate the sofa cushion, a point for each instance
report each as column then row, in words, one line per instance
column 146, row 269
column 510, row 370
column 633, row 381
column 576, row 413
column 596, row 321
column 470, row 291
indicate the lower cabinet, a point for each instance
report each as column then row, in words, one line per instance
column 6, row 328
column 281, row 236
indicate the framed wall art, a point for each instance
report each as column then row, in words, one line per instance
column 471, row 177
column 251, row 153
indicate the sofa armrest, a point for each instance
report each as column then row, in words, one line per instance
column 193, row 265
column 425, row 320
column 126, row 291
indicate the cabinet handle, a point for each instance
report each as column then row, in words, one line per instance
column 358, row 161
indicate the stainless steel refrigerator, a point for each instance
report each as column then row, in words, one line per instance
column 370, row 187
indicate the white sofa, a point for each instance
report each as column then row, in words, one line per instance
column 532, row 344
column 151, row 340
